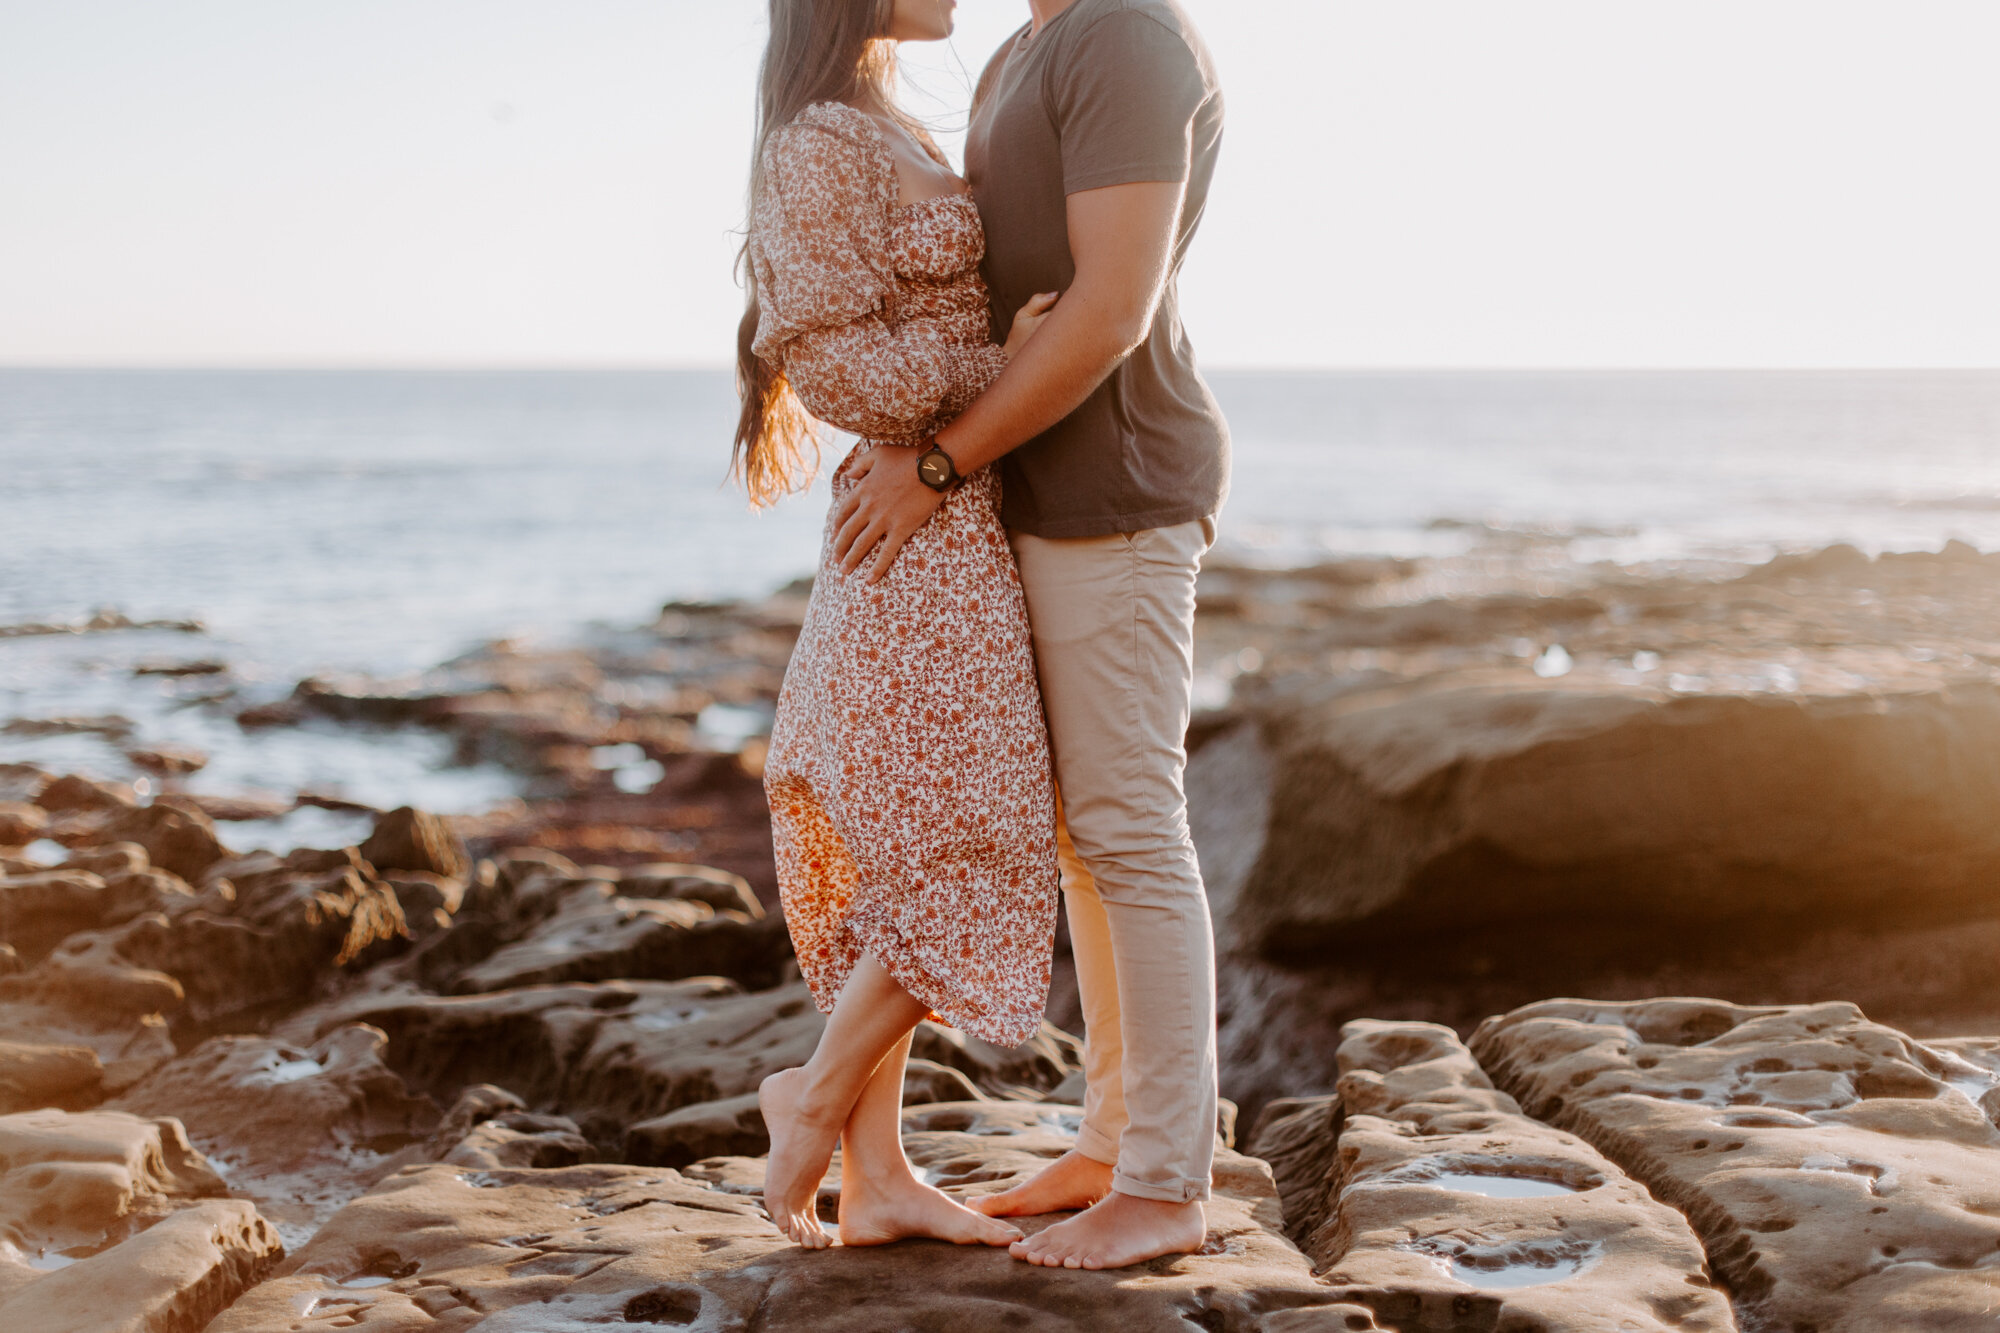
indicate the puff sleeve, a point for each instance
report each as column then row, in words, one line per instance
column 827, row 292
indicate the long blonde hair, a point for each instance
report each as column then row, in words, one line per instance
column 819, row 51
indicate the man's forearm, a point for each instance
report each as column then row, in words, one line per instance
column 1121, row 237
column 1082, row 342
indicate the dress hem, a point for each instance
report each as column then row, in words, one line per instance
column 887, row 948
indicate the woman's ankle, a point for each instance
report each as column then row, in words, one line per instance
column 821, row 1102
column 879, row 1173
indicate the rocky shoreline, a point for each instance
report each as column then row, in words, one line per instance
column 497, row 1070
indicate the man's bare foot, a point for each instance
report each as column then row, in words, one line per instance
column 802, row 1146
column 1070, row 1182
column 875, row 1214
column 1120, row 1231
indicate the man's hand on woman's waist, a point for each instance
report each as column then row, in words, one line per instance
column 888, row 503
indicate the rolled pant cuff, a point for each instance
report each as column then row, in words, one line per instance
column 1179, row 1191
column 1097, row 1145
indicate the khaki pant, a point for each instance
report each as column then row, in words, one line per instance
column 1113, row 623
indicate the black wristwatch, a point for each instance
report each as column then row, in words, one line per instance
column 936, row 470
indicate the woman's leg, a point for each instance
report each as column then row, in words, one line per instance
column 1082, row 1176
column 881, row 1199
column 805, row 1108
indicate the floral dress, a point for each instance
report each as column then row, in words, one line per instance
column 912, row 802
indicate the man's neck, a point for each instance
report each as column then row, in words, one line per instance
column 1046, row 10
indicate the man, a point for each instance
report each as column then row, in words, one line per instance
column 1093, row 140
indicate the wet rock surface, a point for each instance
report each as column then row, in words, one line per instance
column 1441, row 790
column 110, row 1221
column 1423, row 1193
column 172, row 1278
column 498, row 1070
column 585, row 1246
column 304, row 1127
column 1843, row 1175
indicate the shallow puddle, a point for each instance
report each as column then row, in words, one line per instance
column 1500, row 1187
column 1509, row 1276
column 1504, row 1266
column 1492, row 1177
column 291, row 1071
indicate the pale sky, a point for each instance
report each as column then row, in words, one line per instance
column 1404, row 182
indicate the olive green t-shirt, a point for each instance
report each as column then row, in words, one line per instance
column 1109, row 92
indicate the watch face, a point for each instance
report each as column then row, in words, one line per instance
column 934, row 471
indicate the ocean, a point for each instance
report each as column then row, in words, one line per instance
column 318, row 521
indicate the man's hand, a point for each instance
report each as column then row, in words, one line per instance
column 888, row 504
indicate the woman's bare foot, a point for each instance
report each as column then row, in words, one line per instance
column 1121, row 1230
column 801, row 1150
column 1070, row 1182
column 875, row 1214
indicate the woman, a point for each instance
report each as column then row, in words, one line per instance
column 912, row 806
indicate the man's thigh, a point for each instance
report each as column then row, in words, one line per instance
column 1113, row 624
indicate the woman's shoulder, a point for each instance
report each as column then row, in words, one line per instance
column 832, row 152
column 826, row 125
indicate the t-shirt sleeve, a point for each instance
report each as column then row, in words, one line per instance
column 1124, row 98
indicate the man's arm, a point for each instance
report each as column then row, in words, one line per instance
column 1121, row 238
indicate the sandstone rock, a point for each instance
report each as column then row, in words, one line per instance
column 447, row 949
column 242, row 806
column 22, row 782
column 33, row 1076
column 605, row 1054
column 285, row 1103
column 734, row 1126
column 1031, row 1070
column 490, row 1127
column 522, row 1138
column 76, row 1183
column 562, row 1251
column 727, row 1127
column 1299, row 1139
column 172, row 1278
column 21, row 823
column 135, row 893
column 290, row 923
column 1475, row 797
column 197, row 667
column 1443, row 1207
column 108, row 861
column 928, row 1081
column 597, row 934
column 410, row 839
column 425, row 896
column 72, row 792
column 525, row 887
column 299, row 1131
column 169, row 760
column 473, row 1107
column 180, row 840
column 1842, row 1175
column 127, row 1047
column 703, row 884
column 39, row 910
column 92, row 972
column 616, row 1053
column 1338, row 1318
